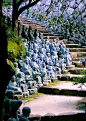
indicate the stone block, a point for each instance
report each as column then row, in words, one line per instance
column 54, row 80
column 45, row 90
column 25, row 94
column 69, row 92
column 55, row 91
column 45, row 83
column 32, row 91
column 82, row 93
column 18, row 97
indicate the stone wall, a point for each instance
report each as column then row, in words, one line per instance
column 63, row 17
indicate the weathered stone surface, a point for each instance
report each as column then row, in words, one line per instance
column 70, row 11
column 69, row 92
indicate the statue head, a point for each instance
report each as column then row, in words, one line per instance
column 26, row 61
column 13, row 79
column 19, row 75
column 54, row 40
column 25, row 40
column 26, row 111
column 16, row 65
column 48, row 54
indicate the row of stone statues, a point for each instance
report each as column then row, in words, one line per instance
column 43, row 62
column 12, row 111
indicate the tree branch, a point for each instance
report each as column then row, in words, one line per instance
column 19, row 3
column 27, row 6
column 30, row 1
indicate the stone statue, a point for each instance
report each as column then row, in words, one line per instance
column 16, row 67
column 68, row 57
column 26, row 67
column 20, row 62
column 47, row 45
column 35, row 34
column 30, row 34
column 63, row 66
column 62, row 47
column 26, row 44
column 23, row 32
column 22, row 84
column 36, row 76
column 13, row 85
column 26, row 112
column 43, row 72
column 10, row 109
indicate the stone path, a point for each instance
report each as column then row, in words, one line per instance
column 55, row 105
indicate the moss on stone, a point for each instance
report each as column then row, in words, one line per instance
column 14, row 45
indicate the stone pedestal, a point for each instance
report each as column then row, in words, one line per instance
column 25, row 94
column 54, row 79
column 32, row 91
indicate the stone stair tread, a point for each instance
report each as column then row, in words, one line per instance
column 78, row 68
column 68, row 85
column 48, row 105
column 78, row 58
column 77, row 49
column 69, row 75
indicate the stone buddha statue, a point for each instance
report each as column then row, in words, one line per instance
column 26, row 67
column 13, row 85
column 26, row 112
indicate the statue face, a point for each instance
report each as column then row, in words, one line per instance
column 13, row 79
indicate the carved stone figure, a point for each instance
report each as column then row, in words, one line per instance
column 26, row 112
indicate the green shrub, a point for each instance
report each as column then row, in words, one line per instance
column 14, row 45
column 6, row 3
column 80, row 80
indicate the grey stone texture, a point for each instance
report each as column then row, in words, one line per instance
column 73, row 11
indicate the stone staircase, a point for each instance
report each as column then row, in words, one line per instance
column 63, row 88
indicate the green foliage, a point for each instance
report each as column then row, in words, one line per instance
column 6, row 3
column 10, row 63
column 54, row 83
column 32, row 96
column 81, row 80
column 15, row 45
column 16, row 59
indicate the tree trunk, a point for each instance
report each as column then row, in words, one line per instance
column 14, row 15
column 5, row 71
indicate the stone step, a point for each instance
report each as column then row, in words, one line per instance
column 61, row 117
column 48, row 34
column 68, row 77
column 51, row 40
column 73, row 45
column 76, row 70
column 77, row 64
column 69, row 67
column 78, row 58
column 55, row 108
column 77, row 49
column 64, row 88
column 50, row 37
column 77, row 54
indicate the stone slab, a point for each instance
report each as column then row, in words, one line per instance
column 77, row 49
column 77, row 64
column 64, row 88
column 76, row 70
column 68, row 77
column 62, row 117
column 73, row 45
column 53, row 104
column 77, row 54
